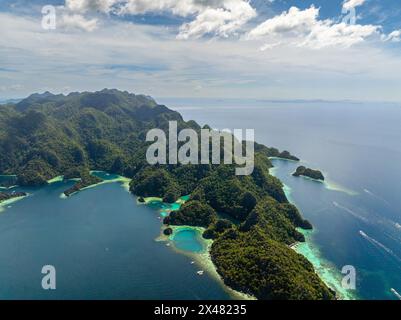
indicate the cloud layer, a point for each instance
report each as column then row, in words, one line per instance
column 209, row 17
column 303, row 28
column 309, row 56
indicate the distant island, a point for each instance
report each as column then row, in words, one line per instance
column 310, row 173
column 46, row 136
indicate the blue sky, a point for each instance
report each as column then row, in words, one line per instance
column 259, row 49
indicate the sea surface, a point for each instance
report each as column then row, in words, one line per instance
column 106, row 246
column 102, row 244
column 356, row 214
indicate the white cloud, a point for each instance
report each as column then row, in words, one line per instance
column 77, row 21
column 394, row 36
column 177, row 7
column 150, row 60
column 344, row 35
column 294, row 21
column 303, row 28
column 214, row 17
column 219, row 21
column 351, row 4
column 83, row 6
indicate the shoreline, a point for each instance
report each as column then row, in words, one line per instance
column 324, row 269
column 6, row 203
column 327, row 183
column 8, row 176
column 285, row 159
column 123, row 180
column 202, row 259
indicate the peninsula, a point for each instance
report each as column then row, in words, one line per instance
column 4, row 196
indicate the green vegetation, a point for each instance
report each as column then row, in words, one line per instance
column 310, row 173
column 216, row 229
column 45, row 136
column 255, row 264
column 192, row 213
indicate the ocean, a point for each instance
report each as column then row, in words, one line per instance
column 106, row 246
column 102, row 244
column 356, row 214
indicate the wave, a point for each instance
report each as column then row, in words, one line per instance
column 379, row 245
column 396, row 293
column 353, row 213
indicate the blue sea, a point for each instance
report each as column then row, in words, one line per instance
column 356, row 214
column 102, row 244
column 106, row 246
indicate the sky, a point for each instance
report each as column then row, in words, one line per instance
column 247, row 49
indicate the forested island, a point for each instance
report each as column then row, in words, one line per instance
column 309, row 173
column 46, row 135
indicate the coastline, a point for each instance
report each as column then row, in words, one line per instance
column 326, row 271
column 123, row 180
column 201, row 259
column 327, row 183
column 8, row 176
column 204, row 261
column 6, row 203
column 285, row 159
column 55, row 179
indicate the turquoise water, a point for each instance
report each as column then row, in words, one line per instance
column 357, row 215
column 164, row 208
column 188, row 240
column 102, row 245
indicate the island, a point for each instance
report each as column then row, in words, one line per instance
column 309, row 173
column 4, row 196
column 46, row 136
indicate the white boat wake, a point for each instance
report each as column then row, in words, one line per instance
column 377, row 197
column 353, row 213
column 379, row 245
column 396, row 293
